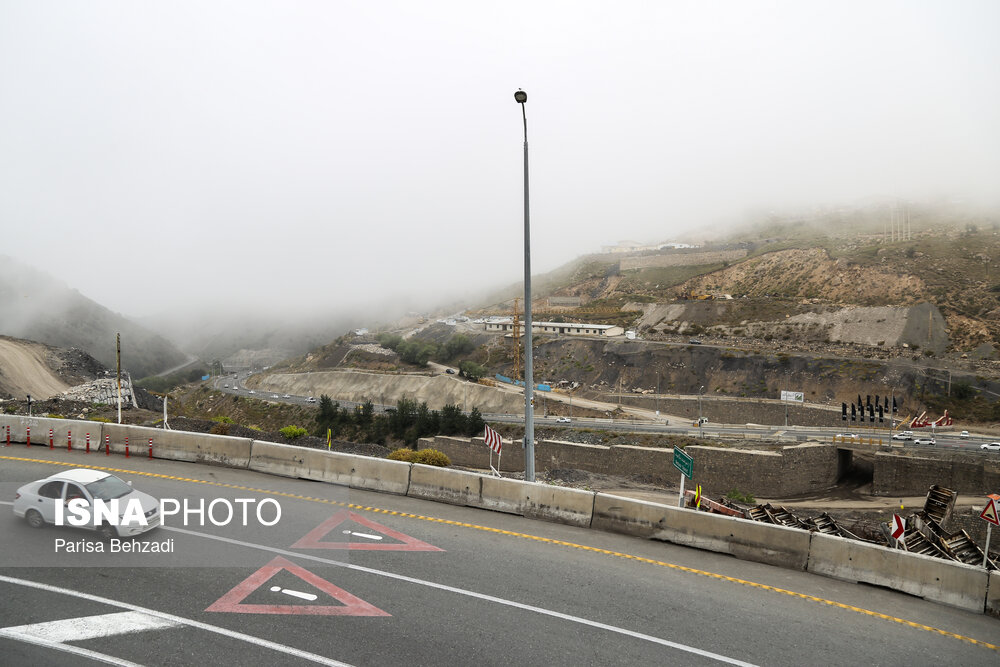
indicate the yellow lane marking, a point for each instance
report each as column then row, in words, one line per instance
column 536, row 538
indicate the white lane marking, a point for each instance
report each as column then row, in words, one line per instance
column 370, row 537
column 295, row 594
column 472, row 594
column 74, row 650
column 180, row 620
column 89, row 627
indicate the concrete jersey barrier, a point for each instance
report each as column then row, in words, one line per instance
column 747, row 540
column 180, row 445
column 936, row 579
column 359, row 472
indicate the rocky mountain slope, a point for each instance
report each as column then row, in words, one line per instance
column 37, row 307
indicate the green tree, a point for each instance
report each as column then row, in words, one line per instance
column 475, row 425
column 453, row 421
column 471, row 370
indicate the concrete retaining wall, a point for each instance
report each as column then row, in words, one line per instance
column 934, row 579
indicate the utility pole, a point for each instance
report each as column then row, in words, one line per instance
column 118, row 360
column 517, row 344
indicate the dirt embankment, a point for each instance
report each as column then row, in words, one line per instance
column 388, row 388
column 24, row 370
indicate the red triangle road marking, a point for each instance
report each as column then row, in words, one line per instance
column 352, row 606
column 406, row 543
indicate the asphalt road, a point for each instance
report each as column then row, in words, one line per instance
column 397, row 580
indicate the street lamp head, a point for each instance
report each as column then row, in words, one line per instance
column 520, row 96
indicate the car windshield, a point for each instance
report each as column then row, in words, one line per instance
column 108, row 488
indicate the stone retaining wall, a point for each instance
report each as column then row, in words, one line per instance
column 682, row 259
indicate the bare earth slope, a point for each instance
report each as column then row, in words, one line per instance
column 24, row 370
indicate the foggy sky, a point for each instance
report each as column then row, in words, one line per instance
column 294, row 155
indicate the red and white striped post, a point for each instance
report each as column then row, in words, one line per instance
column 51, row 445
column 69, row 440
column 88, row 443
column 107, row 445
column 150, row 448
column 29, row 436
column 126, row 446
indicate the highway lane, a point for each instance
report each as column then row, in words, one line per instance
column 500, row 589
column 944, row 440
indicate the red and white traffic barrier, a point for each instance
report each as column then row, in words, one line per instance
column 29, row 436
column 107, row 445
column 126, row 446
column 88, row 443
column 69, row 440
column 150, row 448
column 51, row 445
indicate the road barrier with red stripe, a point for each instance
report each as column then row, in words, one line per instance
column 69, row 440
column 88, row 443
column 51, row 440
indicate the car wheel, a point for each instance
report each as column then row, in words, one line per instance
column 108, row 532
column 34, row 519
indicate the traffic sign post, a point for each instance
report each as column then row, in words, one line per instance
column 898, row 528
column 989, row 514
column 684, row 463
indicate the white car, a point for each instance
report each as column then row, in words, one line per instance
column 310, row 400
column 36, row 502
column 564, row 420
column 252, row 392
column 990, row 446
column 925, row 441
column 286, row 396
column 848, row 436
column 963, row 434
column 902, row 436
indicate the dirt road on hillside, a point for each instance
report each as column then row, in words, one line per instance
column 23, row 370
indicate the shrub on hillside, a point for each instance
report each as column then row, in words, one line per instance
column 221, row 428
column 293, row 432
column 430, row 457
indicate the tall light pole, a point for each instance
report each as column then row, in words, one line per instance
column 529, row 381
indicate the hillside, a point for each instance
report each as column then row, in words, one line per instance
column 41, row 371
column 787, row 279
column 37, row 307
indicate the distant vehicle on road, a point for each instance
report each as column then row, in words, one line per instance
column 901, row 436
column 695, row 341
column 226, row 386
column 564, row 420
column 252, row 391
column 925, row 441
column 990, row 446
column 963, row 434
column 286, row 396
column 450, row 371
column 310, row 400
column 274, row 396
column 848, row 436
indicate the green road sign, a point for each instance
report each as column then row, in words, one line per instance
column 683, row 462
